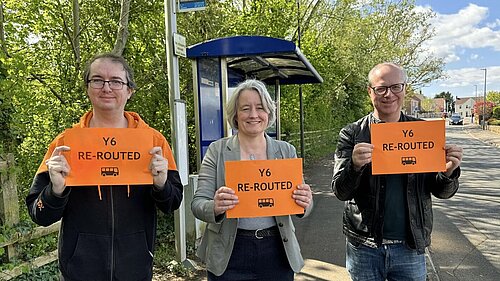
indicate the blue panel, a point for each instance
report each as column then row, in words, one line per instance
column 188, row 5
column 240, row 46
column 210, row 101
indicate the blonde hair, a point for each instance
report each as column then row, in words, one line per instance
column 265, row 97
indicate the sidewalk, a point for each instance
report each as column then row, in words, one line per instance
column 323, row 243
column 465, row 235
column 485, row 136
column 323, row 247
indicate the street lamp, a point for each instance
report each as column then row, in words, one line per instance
column 474, row 111
column 484, row 100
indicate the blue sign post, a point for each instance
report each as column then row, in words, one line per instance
column 191, row 5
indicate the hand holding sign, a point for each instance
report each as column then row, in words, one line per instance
column 454, row 155
column 361, row 155
column 158, row 167
column 58, row 169
column 303, row 195
column 264, row 188
column 409, row 147
column 224, row 199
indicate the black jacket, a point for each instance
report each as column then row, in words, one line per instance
column 364, row 193
column 108, row 236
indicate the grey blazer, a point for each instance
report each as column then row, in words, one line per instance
column 218, row 240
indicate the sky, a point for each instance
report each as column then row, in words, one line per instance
column 467, row 36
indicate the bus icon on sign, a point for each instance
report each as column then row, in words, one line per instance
column 410, row 160
column 109, row 171
column 266, row 202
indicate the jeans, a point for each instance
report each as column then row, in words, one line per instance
column 393, row 262
column 255, row 259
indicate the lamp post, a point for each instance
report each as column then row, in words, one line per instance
column 474, row 108
column 484, row 100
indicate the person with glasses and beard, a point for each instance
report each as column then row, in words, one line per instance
column 107, row 232
column 387, row 218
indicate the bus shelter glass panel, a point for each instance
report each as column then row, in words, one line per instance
column 210, row 102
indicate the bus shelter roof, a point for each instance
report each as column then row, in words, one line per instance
column 264, row 58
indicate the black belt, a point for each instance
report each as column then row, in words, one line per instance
column 259, row 233
column 391, row 241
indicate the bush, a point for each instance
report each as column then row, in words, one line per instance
column 494, row 122
column 496, row 112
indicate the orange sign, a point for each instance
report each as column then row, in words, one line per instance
column 264, row 187
column 106, row 156
column 408, row 147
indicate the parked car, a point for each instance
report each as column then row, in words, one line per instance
column 456, row 119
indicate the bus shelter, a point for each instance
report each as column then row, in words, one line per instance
column 220, row 64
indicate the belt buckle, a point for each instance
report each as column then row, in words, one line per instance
column 257, row 234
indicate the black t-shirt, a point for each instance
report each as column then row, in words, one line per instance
column 395, row 208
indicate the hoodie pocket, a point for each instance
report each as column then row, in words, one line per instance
column 90, row 260
column 133, row 258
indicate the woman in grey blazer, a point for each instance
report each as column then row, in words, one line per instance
column 263, row 248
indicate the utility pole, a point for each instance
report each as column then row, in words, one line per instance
column 484, row 100
column 474, row 109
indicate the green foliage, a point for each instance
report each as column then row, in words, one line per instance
column 496, row 112
column 494, row 122
column 450, row 104
column 49, row 272
column 494, row 97
column 41, row 68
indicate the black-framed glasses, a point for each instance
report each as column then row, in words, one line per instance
column 113, row 84
column 395, row 88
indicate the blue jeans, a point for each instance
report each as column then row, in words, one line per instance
column 388, row 262
column 255, row 259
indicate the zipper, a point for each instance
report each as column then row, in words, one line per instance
column 112, row 234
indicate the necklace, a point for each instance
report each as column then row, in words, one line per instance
column 252, row 156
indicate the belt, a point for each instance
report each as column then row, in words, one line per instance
column 259, row 233
column 392, row 241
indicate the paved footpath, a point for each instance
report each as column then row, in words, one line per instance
column 466, row 236
column 459, row 250
column 452, row 255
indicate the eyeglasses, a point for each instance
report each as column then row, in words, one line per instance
column 382, row 90
column 113, row 84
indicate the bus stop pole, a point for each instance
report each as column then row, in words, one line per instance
column 178, row 126
column 301, row 96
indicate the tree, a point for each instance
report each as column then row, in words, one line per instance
column 493, row 96
column 44, row 42
column 487, row 107
column 448, row 97
column 428, row 105
column 496, row 112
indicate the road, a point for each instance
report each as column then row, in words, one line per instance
column 466, row 236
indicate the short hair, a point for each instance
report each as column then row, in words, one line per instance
column 265, row 97
column 391, row 64
column 114, row 58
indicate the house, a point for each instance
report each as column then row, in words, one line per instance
column 465, row 106
column 414, row 104
column 440, row 104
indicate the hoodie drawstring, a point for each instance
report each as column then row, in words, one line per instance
column 99, row 191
